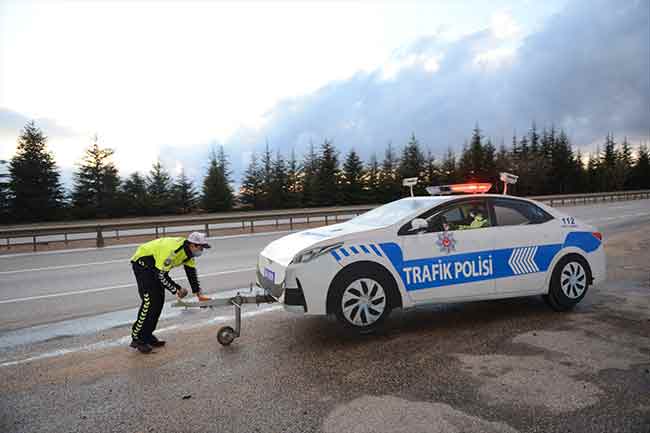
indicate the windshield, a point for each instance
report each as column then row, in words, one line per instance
column 393, row 212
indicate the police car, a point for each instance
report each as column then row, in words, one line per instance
column 437, row 249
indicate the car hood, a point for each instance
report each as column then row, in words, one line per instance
column 283, row 250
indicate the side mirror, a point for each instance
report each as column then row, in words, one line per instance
column 419, row 224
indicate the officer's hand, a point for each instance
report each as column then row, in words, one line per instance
column 181, row 293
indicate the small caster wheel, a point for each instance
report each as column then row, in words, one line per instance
column 226, row 335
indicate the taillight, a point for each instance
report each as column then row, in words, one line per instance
column 598, row 235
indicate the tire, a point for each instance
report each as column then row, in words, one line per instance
column 362, row 300
column 569, row 283
column 226, row 335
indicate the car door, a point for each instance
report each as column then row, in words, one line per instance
column 525, row 241
column 449, row 259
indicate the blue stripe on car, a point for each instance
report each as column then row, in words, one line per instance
column 344, row 252
column 364, row 249
column 376, row 250
column 336, row 256
column 447, row 270
column 354, row 250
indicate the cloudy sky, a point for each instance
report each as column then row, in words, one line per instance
column 171, row 79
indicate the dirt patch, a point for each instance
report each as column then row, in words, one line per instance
column 599, row 349
column 370, row 414
column 525, row 381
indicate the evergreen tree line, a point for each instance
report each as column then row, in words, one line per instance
column 545, row 161
column 31, row 188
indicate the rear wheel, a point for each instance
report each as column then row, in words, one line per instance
column 362, row 302
column 569, row 283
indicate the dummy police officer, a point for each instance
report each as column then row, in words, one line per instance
column 151, row 263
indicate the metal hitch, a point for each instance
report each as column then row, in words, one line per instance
column 227, row 334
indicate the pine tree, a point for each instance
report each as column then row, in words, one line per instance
column 217, row 192
column 610, row 180
column 489, row 163
column 641, row 169
column 472, row 161
column 266, row 170
column 251, row 187
column 309, row 180
column 372, row 181
column 327, row 175
column 431, row 172
column 294, row 190
column 184, row 193
column 159, row 189
column 624, row 164
column 134, row 199
column 562, row 166
column 448, row 168
column 96, row 184
column 352, row 188
column 594, row 173
column 35, row 190
column 391, row 187
column 411, row 164
column 279, row 188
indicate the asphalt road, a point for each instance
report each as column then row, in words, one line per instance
column 49, row 287
column 498, row 366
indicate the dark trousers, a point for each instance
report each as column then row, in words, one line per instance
column 152, row 295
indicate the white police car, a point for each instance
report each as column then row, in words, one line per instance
column 436, row 249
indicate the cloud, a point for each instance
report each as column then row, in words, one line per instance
column 12, row 122
column 586, row 70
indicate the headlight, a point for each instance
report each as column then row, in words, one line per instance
column 310, row 255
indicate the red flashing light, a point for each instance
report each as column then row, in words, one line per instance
column 471, row 188
column 598, row 235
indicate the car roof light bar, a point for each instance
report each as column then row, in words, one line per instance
column 460, row 188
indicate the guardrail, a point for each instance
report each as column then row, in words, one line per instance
column 247, row 219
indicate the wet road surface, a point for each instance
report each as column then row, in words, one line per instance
column 497, row 366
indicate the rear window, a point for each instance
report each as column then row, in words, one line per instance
column 515, row 212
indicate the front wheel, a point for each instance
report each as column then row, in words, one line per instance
column 362, row 302
column 569, row 283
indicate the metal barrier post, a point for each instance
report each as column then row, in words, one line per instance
column 207, row 229
column 290, row 223
column 100, row 237
column 34, row 242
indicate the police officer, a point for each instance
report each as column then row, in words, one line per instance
column 151, row 264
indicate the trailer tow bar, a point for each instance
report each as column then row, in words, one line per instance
column 227, row 334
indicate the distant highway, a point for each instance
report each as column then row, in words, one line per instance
column 52, row 286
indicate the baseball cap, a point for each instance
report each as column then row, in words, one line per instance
column 199, row 239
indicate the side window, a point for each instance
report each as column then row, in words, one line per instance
column 513, row 213
column 466, row 215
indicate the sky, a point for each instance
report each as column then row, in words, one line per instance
column 170, row 80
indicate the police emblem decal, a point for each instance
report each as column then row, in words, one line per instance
column 446, row 242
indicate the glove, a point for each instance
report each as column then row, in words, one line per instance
column 181, row 293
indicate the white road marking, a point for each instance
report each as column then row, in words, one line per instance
column 124, row 340
column 76, row 265
column 121, row 286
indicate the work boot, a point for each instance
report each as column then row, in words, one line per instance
column 155, row 342
column 141, row 346
column 201, row 297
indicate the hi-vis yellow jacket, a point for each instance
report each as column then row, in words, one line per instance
column 164, row 254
